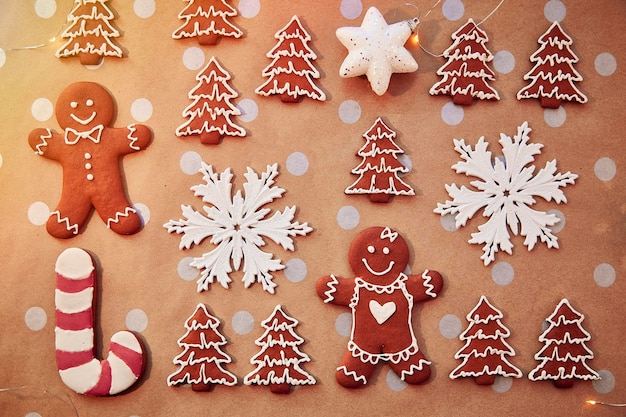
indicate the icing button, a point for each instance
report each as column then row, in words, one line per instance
column 90, row 177
column 87, row 165
column 87, row 155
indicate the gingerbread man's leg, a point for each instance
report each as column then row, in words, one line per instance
column 352, row 372
column 415, row 370
column 117, row 213
column 67, row 219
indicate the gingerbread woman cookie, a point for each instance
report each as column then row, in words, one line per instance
column 89, row 151
column 382, row 298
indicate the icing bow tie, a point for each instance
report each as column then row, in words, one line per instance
column 72, row 136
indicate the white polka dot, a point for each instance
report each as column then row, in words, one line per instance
column 136, row 320
column 141, row 109
column 297, row 164
column 1, row 160
column 605, row 64
column 544, row 325
column 35, row 318
column 502, row 273
column 453, row 9
column 3, row 57
column 605, row 169
column 42, row 109
column 249, row 8
column 249, row 110
column 295, row 270
column 604, row 275
column 452, row 114
column 45, row 8
column 406, row 161
column 33, row 414
column 343, row 324
column 348, row 217
column 560, row 224
column 349, row 111
column 351, row 9
column 606, row 384
column 394, row 382
column 38, row 213
column 190, row 162
column 450, row 326
column 555, row 117
column 144, row 8
column 185, row 270
column 242, row 322
column 448, row 222
column 143, row 211
column 554, row 10
column 193, row 58
column 502, row 384
column 504, row 62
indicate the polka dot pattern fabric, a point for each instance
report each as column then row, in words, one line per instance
column 149, row 284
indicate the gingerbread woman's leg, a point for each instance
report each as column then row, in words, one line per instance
column 117, row 213
column 352, row 372
column 67, row 219
column 415, row 370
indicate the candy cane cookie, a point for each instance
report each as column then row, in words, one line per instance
column 80, row 370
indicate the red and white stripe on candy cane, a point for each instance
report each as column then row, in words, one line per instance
column 80, row 370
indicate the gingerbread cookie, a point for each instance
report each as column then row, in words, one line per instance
column 78, row 367
column 207, row 20
column 382, row 298
column 89, row 151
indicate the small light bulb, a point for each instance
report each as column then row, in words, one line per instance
column 415, row 39
column 591, row 402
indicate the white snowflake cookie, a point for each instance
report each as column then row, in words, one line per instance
column 506, row 189
column 238, row 225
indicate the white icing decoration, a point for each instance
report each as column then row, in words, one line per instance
column 131, row 131
column 382, row 312
column 376, row 49
column 83, row 122
column 72, row 136
column 413, row 368
column 506, row 188
column 377, row 273
column 82, row 378
column 74, row 263
column 127, row 211
column 66, row 220
column 332, row 288
column 73, row 302
column 238, row 225
column 430, row 288
column 205, row 18
column 44, row 142
column 352, row 374
column 73, row 340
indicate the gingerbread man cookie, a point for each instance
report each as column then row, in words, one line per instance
column 89, row 151
column 382, row 298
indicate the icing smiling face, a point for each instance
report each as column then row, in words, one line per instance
column 378, row 255
column 83, row 106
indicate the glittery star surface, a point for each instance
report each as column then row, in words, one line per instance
column 376, row 49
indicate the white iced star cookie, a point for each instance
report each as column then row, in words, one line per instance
column 377, row 50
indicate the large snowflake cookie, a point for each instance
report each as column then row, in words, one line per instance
column 90, row 149
column 238, row 225
column 506, row 188
column 382, row 298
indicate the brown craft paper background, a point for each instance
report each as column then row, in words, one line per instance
column 140, row 271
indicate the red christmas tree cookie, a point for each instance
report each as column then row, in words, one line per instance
column 89, row 33
column 382, row 298
column 207, row 20
column 291, row 72
column 209, row 114
column 553, row 78
column 466, row 74
column 565, row 354
column 278, row 361
column 201, row 363
column 380, row 168
column 89, row 150
column 485, row 351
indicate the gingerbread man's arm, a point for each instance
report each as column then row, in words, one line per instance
column 132, row 138
column 44, row 142
column 426, row 286
column 335, row 290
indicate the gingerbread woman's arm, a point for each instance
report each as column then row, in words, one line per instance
column 426, row 286
column 335, row 291
column 44, row 142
